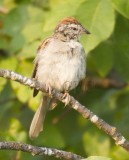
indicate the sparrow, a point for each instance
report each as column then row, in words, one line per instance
column 60, row 63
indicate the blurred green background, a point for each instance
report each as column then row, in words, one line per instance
column 23, row 25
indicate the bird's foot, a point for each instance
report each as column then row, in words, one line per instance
column 66, row 98
column 49, row 89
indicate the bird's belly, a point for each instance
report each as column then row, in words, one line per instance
column 62, row 73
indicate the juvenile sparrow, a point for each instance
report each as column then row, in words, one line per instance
column 60, row 63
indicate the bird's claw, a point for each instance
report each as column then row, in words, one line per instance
column 66, row 98
column 49, row 89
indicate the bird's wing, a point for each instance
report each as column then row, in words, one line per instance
column 40, row 49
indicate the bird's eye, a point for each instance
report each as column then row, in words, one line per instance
column 74, row 29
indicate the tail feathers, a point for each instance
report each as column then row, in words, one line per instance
column 38, row 119
column 52, row 104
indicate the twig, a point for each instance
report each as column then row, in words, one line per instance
column 34, row 150
column 90, row 82
column 85, row 112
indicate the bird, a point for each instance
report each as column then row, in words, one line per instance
column 60, row 63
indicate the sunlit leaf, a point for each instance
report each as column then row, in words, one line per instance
column 17, row 43
column 8, row 63
column 101, row 143
column 29, row 51
column 8, row 4
column 103, row 59
column 97, row 158
column 22, row 92
column 25, row 68
column 15, row 131
column 119, row 153
column 20, row 16
column 61, row 9
column 99, row 18
column 34, row 102
column 122, row 6
column 30, row 29
column 121, row 47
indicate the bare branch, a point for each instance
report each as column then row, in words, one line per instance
column 85, row 112
column 34, row 150
column 90, row 82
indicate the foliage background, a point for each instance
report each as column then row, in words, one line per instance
column 22, row 29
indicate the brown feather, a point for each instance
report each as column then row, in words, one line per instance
column 34, row 76
column 38, row 119
column 67, row 20
column 43, row 44
column 41, row 47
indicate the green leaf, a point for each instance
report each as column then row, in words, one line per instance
column 2, row 83
column 35, row 14
column 121, row 47
column 8, row 4
column 3, row 43
column 102, row 58
column 120, row 100
column 34, row 102
column 99, row 18
column 95, row 143
column 17, row 43
column 97, row 158
column 8, row 63
column 23, row 93
column 29, row 31
column 15, row 131
column 122, row 6
column 119, row 153
column 60, row 9
column 20, row 16
column 25, row 67
column 47, row 138
column 29, row 50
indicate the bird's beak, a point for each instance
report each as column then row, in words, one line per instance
column 85, row 31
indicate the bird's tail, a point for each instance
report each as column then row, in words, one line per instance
column 37, row 123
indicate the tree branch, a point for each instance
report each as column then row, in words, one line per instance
column 104, row 83
column 34, row 150
column 85, row 112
